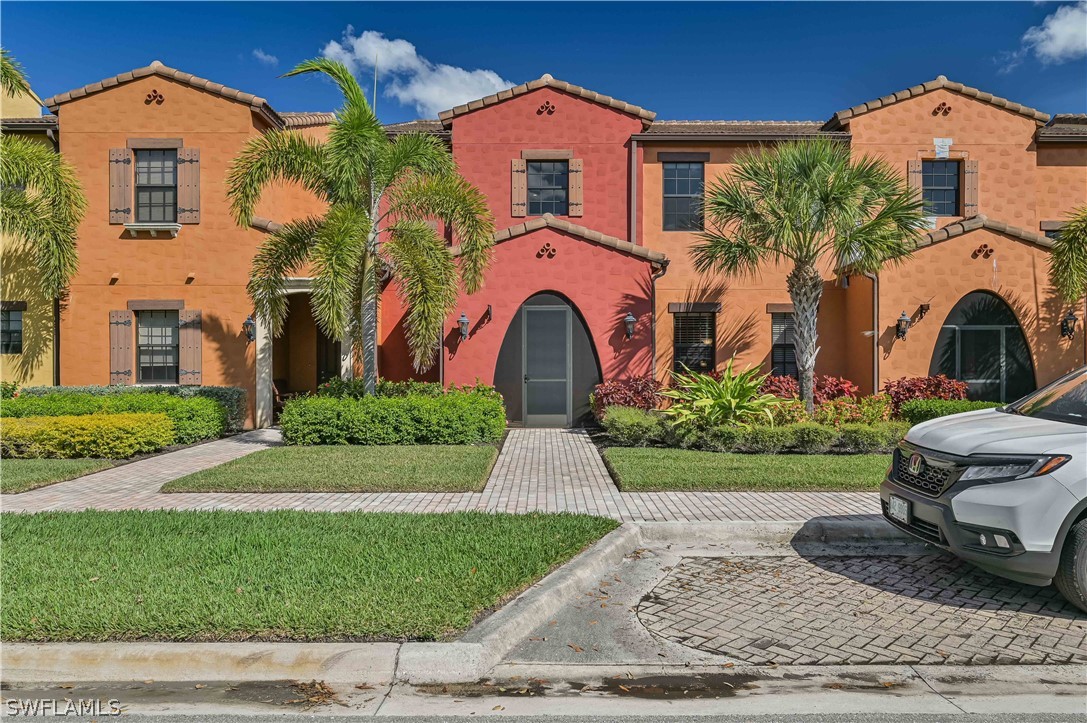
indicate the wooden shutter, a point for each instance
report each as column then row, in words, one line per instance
column 913, row 177
column 577, row 196
column 188, row 185
column 518, row 188
column 970, row 189
column 120, row 185
column 121, row 334
column 189, row 341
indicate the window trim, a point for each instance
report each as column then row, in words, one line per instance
column 665, row 195
column 785, row 346
column 139, row 380
column 529, row 189
column 12, row 308
column 136, row 186
column 712, row 316
column 959, row 187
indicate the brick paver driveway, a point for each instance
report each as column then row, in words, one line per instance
column 928, row 609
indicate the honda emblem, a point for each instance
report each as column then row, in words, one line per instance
column 917, row 464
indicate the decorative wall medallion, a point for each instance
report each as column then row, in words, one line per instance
column 983, row 252
column 942, row 109
column 548, row 107
column 154, row 97
column 547, row 250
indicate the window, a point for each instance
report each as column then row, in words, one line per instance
column 940, row 187
column 11, row 332
column 695, row 339
column 683, row 184
column 156, row 186
column 548, row 187
column 783, row 352
column 1053, row 233
column 157, row 346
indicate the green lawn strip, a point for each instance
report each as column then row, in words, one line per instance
column 20, row 475
column 423, row 468
column 650, row 469
column 284, row 575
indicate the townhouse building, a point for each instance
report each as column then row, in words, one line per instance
column 596, row 206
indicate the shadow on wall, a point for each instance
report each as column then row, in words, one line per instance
column 230, row 346
column 633, row 353
column 21, row 285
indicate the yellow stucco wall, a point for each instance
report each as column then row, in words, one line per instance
column 18, row 282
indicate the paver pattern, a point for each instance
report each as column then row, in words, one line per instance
column 552, row 470
column 927, row 609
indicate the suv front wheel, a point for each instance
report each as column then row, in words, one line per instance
column 1071, row 577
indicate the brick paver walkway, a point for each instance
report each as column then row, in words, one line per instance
column 929, row 609
column 553, row 470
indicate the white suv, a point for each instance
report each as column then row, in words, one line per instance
column 1003, row 488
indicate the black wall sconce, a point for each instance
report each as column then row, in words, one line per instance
column 902, row 326
column 249, row 327
column 629, row 321
column 463, row 323
column 1068, row 325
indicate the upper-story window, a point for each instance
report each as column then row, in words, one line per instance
column 940, row 187
column 683, row 187
column 548, row 188
column 156, row 185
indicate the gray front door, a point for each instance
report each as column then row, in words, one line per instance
column 547, row 364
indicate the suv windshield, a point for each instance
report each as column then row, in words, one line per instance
column 1065, row 400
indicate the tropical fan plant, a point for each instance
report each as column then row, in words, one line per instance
column 381, row 193
column 1068, row 259
column 807, row 203
column 41, row 199
column 733, row 399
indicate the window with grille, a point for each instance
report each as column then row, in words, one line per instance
column 683, row 185
column 783, row 352
column 695, row 340
column 156, row 186
column 940, row 187
column 157, row 346
column 548, row 187
column 11, row 332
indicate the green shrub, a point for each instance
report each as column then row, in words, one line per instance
column 632, row 427
column 790, row 411
column 8, row 389
column 728, row 398
column 455, row 417
column 111, row 436
column 865, row 438
column 233, row 399
column 768, row 440
column 723, row 439
column 895, row 432
column 194, row 419
column 869, row 410
column 812, row 438
column 916, row 411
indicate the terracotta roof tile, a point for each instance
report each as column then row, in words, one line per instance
column 40, row 122
column 307, row 119
column 1066, row 127
column 746, row 130
column 423, row 125
column 980, row 221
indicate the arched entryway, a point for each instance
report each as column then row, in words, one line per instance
column 547, row 365
column 982, row 344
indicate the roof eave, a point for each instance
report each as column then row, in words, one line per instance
column 745, row 137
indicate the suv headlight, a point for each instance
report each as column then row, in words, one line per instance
column 1002, row 469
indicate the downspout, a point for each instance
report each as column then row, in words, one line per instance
column 653, row 317
column 633, row 234
column 56, row 342
column 875, row 331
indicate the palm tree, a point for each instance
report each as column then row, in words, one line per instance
column 380, row 195
column 41, row 199
column 1068, row 259
column 805, row 203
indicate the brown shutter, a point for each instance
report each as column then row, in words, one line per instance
column 577, row 196
column 120, row 347
column 120, row 185
column 518, row 188
column 188, row 185
column 970, row 189
column 189, row 338
column 913, row 177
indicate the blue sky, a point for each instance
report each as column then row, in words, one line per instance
column 766, row 61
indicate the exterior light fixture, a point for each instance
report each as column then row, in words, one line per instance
column 249, row 326
column 902, row 326
column 463, row 323
column 629, row 321
column 1068, row 325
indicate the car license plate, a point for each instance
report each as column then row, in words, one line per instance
column 899, row 509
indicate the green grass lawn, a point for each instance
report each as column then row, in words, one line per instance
column 285, row 575
column 423, row 468
column 20, row 475
column 650, row 469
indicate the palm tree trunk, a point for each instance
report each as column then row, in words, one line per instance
column 370, row 290
column 806, row 289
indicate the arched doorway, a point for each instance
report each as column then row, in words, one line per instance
column 547, row 365
column 982, row 344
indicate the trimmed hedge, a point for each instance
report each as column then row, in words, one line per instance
column 812, row 438
column 194, row 419
column 916, row 411
column 456, row 417
column 633, row 427
column 110, row 436
column 233, row 399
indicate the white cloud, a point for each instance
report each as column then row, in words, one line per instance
column 409, row 77
column 266, row 58
column 1061, row 37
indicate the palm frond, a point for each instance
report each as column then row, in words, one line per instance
column 13, row 80
column 1068, row 259
column 275, row 156
column 335, row 256
column 283, row 253
column 418, row 153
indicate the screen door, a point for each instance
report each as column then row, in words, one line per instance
column 547, row 366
